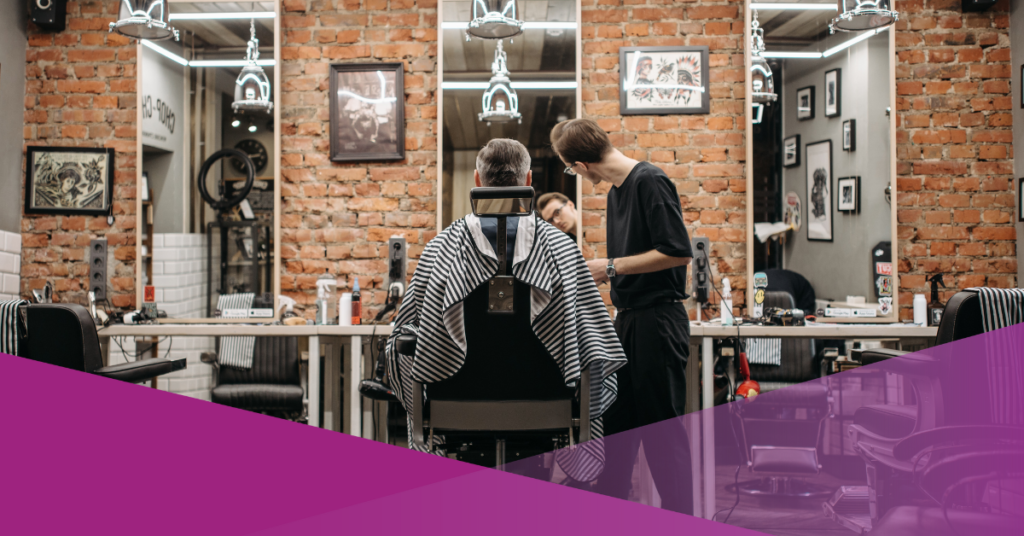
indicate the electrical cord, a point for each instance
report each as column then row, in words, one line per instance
column 736, row 475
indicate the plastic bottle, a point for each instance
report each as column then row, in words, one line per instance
column 345, row 309
column 920, row 310
column 325, row 304
column 727, row 318
column 357, row 306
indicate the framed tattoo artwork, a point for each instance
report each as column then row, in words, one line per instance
column 367, row 102
column 791, row 151
column 819, row 191
column 664, row 80
column 805, row 103
column 833, row 93
column 69, row 180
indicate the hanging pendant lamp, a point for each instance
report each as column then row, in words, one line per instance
column 494, row 19
column 252, row 88
column 762, row 82
column 865, row 15
column 501, row 104
column 144, row 19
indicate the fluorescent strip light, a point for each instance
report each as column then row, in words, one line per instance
column 810, row 55
column 223, row 16
column 229, row 63
column 164, row 52
column 794, row 7
column 481, row 86
column 847, row 44
column 526, row 25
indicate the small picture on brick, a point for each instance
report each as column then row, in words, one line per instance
column 664, row 80
column 69, row 180
column 833, row 93
column 367, row 112
column 805, row 103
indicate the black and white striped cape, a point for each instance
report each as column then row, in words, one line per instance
column 568, row 316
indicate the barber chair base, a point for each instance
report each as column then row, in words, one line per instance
column 913, row 521
column 849, row 508
column 784, row 487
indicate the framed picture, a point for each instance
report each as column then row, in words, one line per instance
column 833, row 93
column 144, row 194
column 850, row 135
column 805, row 103
column 791, row 151
column 367, row 103
column 819, row 191
column 848, row 194
column 1020, row 204
column 69, row 180
column 664, row 80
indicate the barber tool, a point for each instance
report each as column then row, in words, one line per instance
column 747, row 388
column 935, row 307
column 43, row 295
column 500, row 203
column 375, row 388
column 357, row 305
column 760, row 284
column 289, row 318
column 784, row 317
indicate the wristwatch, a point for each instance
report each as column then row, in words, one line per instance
column 610, row 269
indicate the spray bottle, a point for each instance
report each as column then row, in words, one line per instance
column 935, row 307
column 289, row 318
column 727, row 319
column 326, row 307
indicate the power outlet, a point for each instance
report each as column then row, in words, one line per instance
column 701, row 268
column 397, row 261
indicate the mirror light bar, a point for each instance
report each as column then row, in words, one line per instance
column 164, row 52
column 481, row 86
column 768, row 6
column 815, row 55
column 223, row 16
column 228, row 63
column 526, row 25
column 809, row 55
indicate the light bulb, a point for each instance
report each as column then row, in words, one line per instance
column 252, row 128
column 235, row 122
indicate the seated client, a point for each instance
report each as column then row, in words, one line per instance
column 567, row 314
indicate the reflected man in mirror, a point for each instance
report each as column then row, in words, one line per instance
column 558, row 210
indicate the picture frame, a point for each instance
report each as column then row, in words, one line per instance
column 819, row 191
column 805, row 103
column 834, row 92
column 69, row 180
column 144, row 194
column 848, row 195
column 850, row 135
column 1020, row 200
column 682, row 74
column 367, row 107
column 791, row 151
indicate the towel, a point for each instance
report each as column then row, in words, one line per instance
column 764, row 351
column 9, row 326
column 1000, row 307
column 236, row 351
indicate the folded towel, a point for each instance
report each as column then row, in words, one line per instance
column 764, row 351
column 236, row 351
column 9, row 326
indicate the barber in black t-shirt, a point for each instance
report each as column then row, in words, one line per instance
column 648, row 250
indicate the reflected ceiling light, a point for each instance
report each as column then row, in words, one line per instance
column 164, row 52
column 514, row 85
column 865, row 15
column 143, row 19
column 794, row 7
column 799, row 55
column 816, row 55
column 758, row 114
column 501, row 104
column 762, row 82
column 223, row 16
column 230, row 63
column 494, row 19
column 383, row 93
column 544, row 25
column 236, row 122
column 252, row 88
column 252, row 126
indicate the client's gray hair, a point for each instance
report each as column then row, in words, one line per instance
column 503, row 162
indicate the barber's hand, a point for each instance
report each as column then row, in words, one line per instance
column 598, row 269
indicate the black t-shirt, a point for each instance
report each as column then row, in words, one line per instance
column 644, row 214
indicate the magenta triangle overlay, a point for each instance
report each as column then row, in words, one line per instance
column 83, row 453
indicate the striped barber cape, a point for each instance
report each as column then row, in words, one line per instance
column 567, row 315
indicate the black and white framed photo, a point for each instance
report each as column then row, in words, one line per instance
column 819, row 191
column 805, row 103
column 848, row 194
column 664, row 80
column 69, row 180
column 850, row 135
column 1020, row 196
column 367, row 112
column 833, row 93
column 791, row 151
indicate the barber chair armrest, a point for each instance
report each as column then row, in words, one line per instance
column 915, row 364
column 142, row 370
column 911, row 445
column 209, row 358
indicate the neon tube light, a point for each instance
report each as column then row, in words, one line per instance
column 164, row 52
column 223, row 16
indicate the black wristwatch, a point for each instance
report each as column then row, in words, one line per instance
column 610, row 269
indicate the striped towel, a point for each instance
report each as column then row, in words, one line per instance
column 764, row 351
column 236, row 351
column 9, row 326
column 1000, row 307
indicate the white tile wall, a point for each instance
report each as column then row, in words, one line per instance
column 10, row 265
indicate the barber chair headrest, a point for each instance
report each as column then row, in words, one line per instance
column 503, row 201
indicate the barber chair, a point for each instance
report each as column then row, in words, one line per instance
column 272, row 386
column 64, row 334
column 509, row 399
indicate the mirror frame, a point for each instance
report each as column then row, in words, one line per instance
column 440, row 115
column 893, row 205
column 188, row 172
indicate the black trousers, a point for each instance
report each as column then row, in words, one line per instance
column 652, row 389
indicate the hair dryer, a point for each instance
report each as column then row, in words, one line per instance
column 747, row 388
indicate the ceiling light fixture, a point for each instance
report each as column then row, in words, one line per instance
column 143, row 19
column 501, row 104
column 252, row 88
column 494, row 19
column 543, row 25
column 164, row 52
column 762, row 82
column 223, row 16
column 236, row 122
column 866, row 15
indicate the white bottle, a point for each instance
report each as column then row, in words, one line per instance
column 727, row 318
column 345, row 309
column 920, row 310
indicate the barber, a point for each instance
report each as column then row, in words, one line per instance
column 648, row 250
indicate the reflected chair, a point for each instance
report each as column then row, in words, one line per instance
column 272, row 386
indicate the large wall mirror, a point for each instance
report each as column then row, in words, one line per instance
column 206, row 261
column 821, row 174
column 543, row 66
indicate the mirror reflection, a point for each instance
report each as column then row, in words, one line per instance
column 207, row 221
column 517, row 88
column 822, row 165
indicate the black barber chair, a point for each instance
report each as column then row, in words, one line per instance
column 64, row 334
column 799, row 408
column 272, row 386
column 509, row 395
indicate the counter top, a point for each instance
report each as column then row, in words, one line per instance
column 223, row 330
column 816, row 331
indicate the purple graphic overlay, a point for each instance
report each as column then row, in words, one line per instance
column 930, row 442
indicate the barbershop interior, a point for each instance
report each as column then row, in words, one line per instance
column 231, row 201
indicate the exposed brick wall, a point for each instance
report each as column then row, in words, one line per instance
column 80, row 91
column 954, row 147
column 338, row 217
column 703, row 154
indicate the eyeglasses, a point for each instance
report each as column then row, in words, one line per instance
column 569, row 171
column 554, row 215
